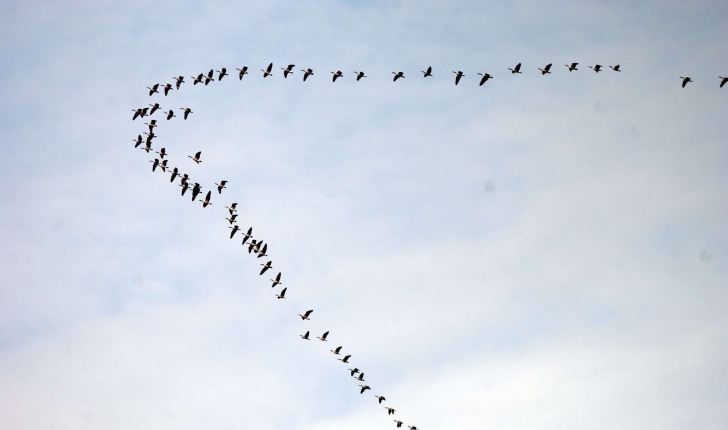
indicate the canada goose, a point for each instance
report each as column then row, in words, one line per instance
column 163, row 166
column 305, row 336
column 336, row 75
column 243, row 72
column 184, row 186
column 282, row 295
column 427, row 72
column 162, row 153
column 288, row 70
column 254, row 245
column 597, row 68
column 155, row 163
column 517, row 69
column 153, row 89
column 572, row 67
column 150, row 136
column 167, row 87
column 458, row 75
column 170, row 115
column 361, row 377
column 195, row 191
column 337, row 350
column 345, row 359
column 306, row 73
column 175, row 172
column 267, row 72
column 207, row 199
column 155, row 106
column 138, row 141
column 209, row 77
column 151, row 124
column 221, row 74
column 322, row 338
column 138, row 113
column 381, row 399
column 232, row 208
column 364, row 388
column 390, row 411
column 397, row 76
column 685, row 81
column 360, row 75
column 196, row 158
column 615, row 68
column 267, row 266
column 183, row 179
column 220, row 186
column 197, row 79
column 187, row 111
column 723, row 80
column 306, row 315
column 235, row 230
column 277, row 280
column 263, row 250
column 484, row 79
column 147, row 147
column 179, row 81
column 399, row 423
column 354, row 371
column 546, row 70
column 231, row 220
column 412, row 427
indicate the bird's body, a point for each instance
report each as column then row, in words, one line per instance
column 484, row 79
column 427, row 72
column 267, row 72
column 137, row 141
column 155, row 106
column 546, row 70
column 231, row 220
column 187, row 111
column 337, row 350
column 162, row 153
column 220, row 186
column 390, row 411
column 242, row 72
column 163, row 165
column 184, row 186
column 170, row 115
column 397, row 75
column 197, row 79
column 381, row 399
column 305, row 336
column 354, row 371
column 267, row 266
column 572, row 67
column 155, row 163
column 360, row 75
column 262, row 251
column 516, row 69
column 282, row 295
column 306, row 315
column 458, row 75
column 361, row 377
column 221, row 74
column 196, row 158
column 207, row 199
column 597, row 68
column 615, row 68
column 399, row 423
column 151, row 124
column 167, row 88
column 277, row 281
column 685, row 81
column 153, row 89
column 323, row 337
column 306, row 73
column 209, row 77
column 175, row 172
column 195, row 191
column 235, row 230
column 179, row 80
column 723, row 80
column 288, row 70
column 345, row 359
column 148, row 146
column 336, row 75
column 364, row 388
column 232, row 208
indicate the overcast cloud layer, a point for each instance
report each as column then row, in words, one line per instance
column 541, row 252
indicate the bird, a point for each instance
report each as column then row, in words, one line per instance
column 322, row 338
column 484, row 79
column 267, row 266
column 232, row 208
column 267, row 72
column 195, row 191
column 209, row 77
column 170, row 115
column 184, row 186
column 197, row 79
column 196, row 158
column 345, row 359
column 153, row 89
column 336, row 75
column 361, row 377
column 152, row 123
column 306, row 73
column 282, row 295
column 306, row 315
column 155, row 163
column 572, row 67
column 263, row 250
column 242, row 72
column 277, row 281
column 148, row 146
column 685, row 80
column 162, row 153
column 179, row 81
column 183, row 179
column 251, row 245
column 427, row 72
column 458, row 75
column 615, row 68
column 175, row 172
column 138, row 141
column 288, row 70
column 220, row 186
column 597, row 68
column 235, row 230
column 221, row 74
column 207, row 199
column 399, row 423
column 155, row 106
column 167, row 88
column 517, row 69
column 390, row 411
column 723, row 80
column 360, row 75
column 397, row 76
column 248, row 235
column 412, row 427
column 139, row 113
column 163, row 165
column 232, row 218
column 150, row 136
column 546, row 70
column 337, row 350
column 187, row 111
column 354, row 371
column 381, row 399
column 305, row 336
column 364, row 388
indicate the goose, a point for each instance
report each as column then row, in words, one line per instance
column 336, row 75
column 723, row 80
column 155, row 106
column 397, row 76
column 597, row 68
column 399, row 423
column 209, row 77
column 572, row 67
column 412, row 427
column 153, row 89
column 183, row 179
column 221, row 74
column 267, row 72
column 196, row 158
column 484, row 79
column 231, row 220
column 167, row 88
column 685, row 80
column 427, row 72
column 138, row 113
column 151, row 124
column 345, row 359
column 364, row 388
column 361, row 377
column 337, row 350
column 163, row 166
column 207, row 199
column 360, row 75
column 323, row 337
column 305, row 336
column 155, row 163
column 242, row 72
column 175, row 172
column 381, row 399
column 282, row 295
column 306, row 315
column 138, row 141
column 254, row 244
column 354, row 371
column 263, row 250
column 162, row 153
column 232, row 208
column 306, row 73
column 615, row 68
column 235, row 230
column 197, row 79
column 267, row 266
column 179, row 81
column 277, row 280
column 390, row 411
column 220, row 186
column 184, row 186
column 458, row 75
column 195, row 191
column 517, row 69
column 150, row 136
column 546, row 70
column 187, row 111
column 288, row 70
column 147, row 147
column 170, row 115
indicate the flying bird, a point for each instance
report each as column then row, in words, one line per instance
column 306, row 315
column 288, row 70
column 162, row 153
column 572, row 67
column 723, row 80
column 336, row 75
column 615, row 68
column 364, row 388
column 153, row 89
column 163, row 165
column 209, row 77
column 361, row 377
column 220, row 186
column 167, row 88
column 354, row 371
column 412, row 427
column 685, row 81
column 597, row 68
column 390, row 411
column 155, row 106
column 484, row 79
column 232, row 219
column 397, row 76
column 323, row 337
column 155, row 163
column 458, row 75
column 138, row 141
column 306, row 73
column 232, row 208
column 263, row 250
column 399, row 423
column 517, row 69
column 170, row 115
column 150, row 136
column 195, row 191
column 305, row 336
column 546, row 70
column 251, row 246
column 381, row 399
column 221, row 74
column 360, row 75
column 196, row 158
column 337, row 350
column 267, row 72
column 148, row 146
column 277, row 281
column 282, row 295
column 345, row 359
column 175, row 172
column 427, row 72
column 235, row 230
column 197, row 79
column 187, row 111
column 183, row 179
column 184, row 186
column 267, row 266
column 141, row 112
column 152, row 123
column 242, row 72
column 179, row 81
column 207, row 199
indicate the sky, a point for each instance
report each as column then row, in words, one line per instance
column 542, row 252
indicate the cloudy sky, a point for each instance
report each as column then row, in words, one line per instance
column 541, row 252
